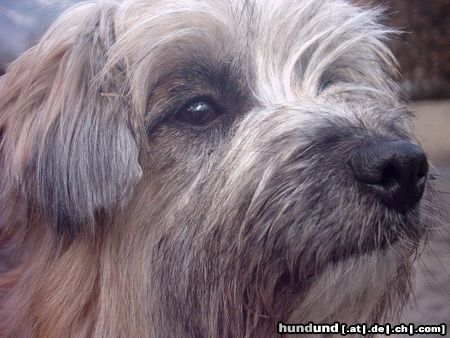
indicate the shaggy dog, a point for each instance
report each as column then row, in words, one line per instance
column 206, row 169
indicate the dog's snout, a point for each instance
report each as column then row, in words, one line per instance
column 396, row 171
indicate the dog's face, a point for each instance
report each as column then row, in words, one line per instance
column 249, row 155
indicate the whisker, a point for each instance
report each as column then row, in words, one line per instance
column 437, row 176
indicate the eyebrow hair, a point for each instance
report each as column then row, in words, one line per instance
column 220, row 80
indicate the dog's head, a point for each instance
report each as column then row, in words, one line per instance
column 257, row 151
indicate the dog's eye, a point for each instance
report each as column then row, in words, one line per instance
column 200, row 112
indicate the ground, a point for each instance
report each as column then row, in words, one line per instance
column 432, row 296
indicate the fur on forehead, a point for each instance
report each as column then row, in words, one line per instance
column 293, row 48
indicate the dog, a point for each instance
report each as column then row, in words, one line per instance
column 207, row 169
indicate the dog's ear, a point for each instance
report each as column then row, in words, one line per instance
column 69, row 139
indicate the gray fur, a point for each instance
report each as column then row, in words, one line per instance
column 220, row 232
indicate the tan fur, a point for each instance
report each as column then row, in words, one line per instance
column 117, row 221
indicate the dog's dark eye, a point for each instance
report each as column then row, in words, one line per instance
column 200, row 112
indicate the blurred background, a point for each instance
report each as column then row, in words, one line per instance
column 424, row 56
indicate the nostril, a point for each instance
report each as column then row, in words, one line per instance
column 390, row 175
column 423, row 168
column 395, row 170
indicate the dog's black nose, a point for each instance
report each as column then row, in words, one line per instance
column 396, row 171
